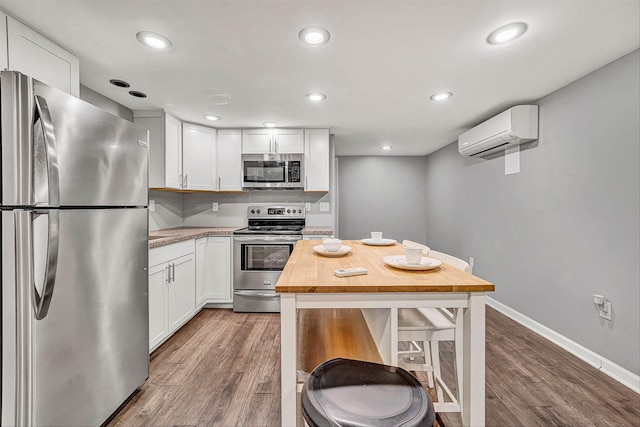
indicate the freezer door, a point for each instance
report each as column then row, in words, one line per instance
column 89, row 352
column 58, row 150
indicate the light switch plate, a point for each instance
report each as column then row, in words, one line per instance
column 152, row 205
column 214, row 206
column 324, row 206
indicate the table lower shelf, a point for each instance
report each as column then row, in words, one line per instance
column 327, row 333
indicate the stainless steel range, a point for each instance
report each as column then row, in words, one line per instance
column 260, row 252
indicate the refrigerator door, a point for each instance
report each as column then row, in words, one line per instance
column 90, row 351
column 58, row 150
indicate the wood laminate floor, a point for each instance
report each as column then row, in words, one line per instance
column 223, row 369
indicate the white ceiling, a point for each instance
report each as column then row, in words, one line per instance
column 242, row 60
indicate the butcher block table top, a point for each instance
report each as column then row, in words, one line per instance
column 309, row 272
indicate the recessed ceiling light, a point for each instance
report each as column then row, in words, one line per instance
column 316, row 97
column 119, row 83
column 270, row 124
column 314, row 36
column 507, row 33
column 386, row 147
column 212, row 117
column 137, row 94
column 441, row 96
column 154, row 40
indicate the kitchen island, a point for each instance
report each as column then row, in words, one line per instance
column 308, row 282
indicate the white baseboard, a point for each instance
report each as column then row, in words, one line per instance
column 615, row 371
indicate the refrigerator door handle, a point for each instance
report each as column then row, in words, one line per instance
column 42, row 114
column 42, row 301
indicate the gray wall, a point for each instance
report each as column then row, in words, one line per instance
column 381, row 193
column 568, row 225
column 107, row 104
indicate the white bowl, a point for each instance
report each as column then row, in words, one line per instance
column 331, row 244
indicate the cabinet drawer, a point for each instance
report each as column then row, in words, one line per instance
column 172, row 251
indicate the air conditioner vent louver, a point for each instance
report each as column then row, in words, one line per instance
column 511, row 127
column 493, row 148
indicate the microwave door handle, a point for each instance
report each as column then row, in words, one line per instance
column 43, row 115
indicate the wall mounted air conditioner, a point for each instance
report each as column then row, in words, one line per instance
column 512, row 127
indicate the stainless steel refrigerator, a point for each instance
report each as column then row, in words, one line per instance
column 74, row 257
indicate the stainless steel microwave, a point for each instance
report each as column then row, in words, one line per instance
column 272, row 171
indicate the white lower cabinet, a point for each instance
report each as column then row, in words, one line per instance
column 315, row 236
column 213, row 270
column 158, row 305
column 172, row 288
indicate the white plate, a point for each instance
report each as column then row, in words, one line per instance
column 381, row 242
column 321, row 250
column 398, row 261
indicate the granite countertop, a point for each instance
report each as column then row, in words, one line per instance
column 167, row 236
column 317, row 230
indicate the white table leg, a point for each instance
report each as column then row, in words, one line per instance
column 473, row 387
column 288, row 367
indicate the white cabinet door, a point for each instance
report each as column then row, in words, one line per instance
column 229, row 160
column 288, row 141
column 158, row 309
column 213, row 270
column 316, row 159
column 4, row 58
column 256, row 141
column 315, row 237
column 34, row 55
column 182, row 291
column 198, row 157
column 172, row 152
column 201, row 271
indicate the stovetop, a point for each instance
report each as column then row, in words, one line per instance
column 277, row 220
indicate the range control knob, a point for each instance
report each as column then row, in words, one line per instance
column 258, row 211
column 253, row 211
column 299, row 211
column 288, row 210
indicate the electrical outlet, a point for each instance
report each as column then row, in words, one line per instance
column 152, row 205
column 307, row 207
column 214, row 206
column 605, row 313
column 324, row 206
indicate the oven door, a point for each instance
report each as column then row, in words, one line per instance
column 259, row 260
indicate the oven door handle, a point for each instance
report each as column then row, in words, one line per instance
column 261, row 239
column 257, row 294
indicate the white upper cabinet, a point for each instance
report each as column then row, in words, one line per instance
column 32, row 54
column 172, row 132
column 272, row 141
column 256, row 141
column 165, row 148
column 4, row 57
column 198, row 157
column 229, row 160
column 316, row 159
column 288, row 141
